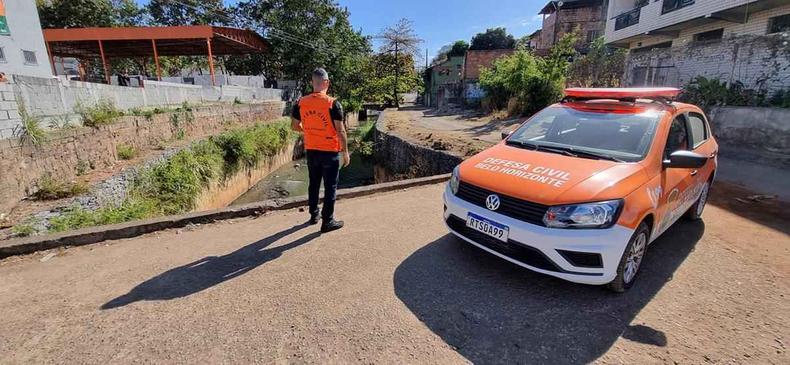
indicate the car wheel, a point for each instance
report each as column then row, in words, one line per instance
column 632, row 259
column 695, row 212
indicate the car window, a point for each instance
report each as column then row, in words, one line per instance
column 626, row 136
column 697, row 130
column 678, row 136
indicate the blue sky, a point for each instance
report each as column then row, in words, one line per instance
column 440, row 22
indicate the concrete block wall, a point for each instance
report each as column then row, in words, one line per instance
column 9, row 109
column 23, row 165
column 51, row 99
column 760, row 62
column 760, row 135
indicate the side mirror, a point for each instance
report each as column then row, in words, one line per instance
column 685, row 160
column 506, row 134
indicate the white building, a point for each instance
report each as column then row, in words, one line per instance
column 673, row 41
column 22, row 48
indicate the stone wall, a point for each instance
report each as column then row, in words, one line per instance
column 760, row 62
column 759, row 135
column 397, row 158
column 67, row 151
column 55, row 99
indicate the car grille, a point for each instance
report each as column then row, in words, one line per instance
column 518, row 251
column 512, row 207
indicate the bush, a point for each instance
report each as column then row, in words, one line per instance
column 103, row 113
column 361, row 140
column 29, row 130
column 51, row 189
column 23, row 230
column 708, row 93
column 521, row 76
column 126, row 152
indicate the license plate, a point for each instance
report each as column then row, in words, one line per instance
column 487, row 226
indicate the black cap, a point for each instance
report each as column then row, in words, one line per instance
column 320, row 72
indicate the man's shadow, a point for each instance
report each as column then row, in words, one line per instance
column 209, row 271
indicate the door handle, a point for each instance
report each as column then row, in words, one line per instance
column 694, row 173
column 712, row 155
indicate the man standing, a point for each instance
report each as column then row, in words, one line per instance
column 320, row 118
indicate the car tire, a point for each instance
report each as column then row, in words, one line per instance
column 695, row 212
column 633, row 256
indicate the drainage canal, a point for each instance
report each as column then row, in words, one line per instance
column 291, row 179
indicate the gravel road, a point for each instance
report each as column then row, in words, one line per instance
column 393, row 287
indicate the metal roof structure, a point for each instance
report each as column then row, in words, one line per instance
column 135, row 42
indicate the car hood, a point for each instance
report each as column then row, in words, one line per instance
column 550, row 178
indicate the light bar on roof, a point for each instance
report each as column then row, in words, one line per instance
column 622, row 93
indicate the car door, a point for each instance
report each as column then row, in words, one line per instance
column 700, row 142
column 675, row 182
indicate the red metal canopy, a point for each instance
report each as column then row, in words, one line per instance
column 134, row 42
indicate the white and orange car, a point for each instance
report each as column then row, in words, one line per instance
column 583, row 187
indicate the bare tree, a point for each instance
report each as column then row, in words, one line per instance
column 400, row 38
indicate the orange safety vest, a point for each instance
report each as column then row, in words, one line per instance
column 319, row 128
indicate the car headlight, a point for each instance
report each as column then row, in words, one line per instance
column 455, row 180
column 591, row 215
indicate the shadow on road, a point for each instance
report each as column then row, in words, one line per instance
column 492, row 311
column 209, row 271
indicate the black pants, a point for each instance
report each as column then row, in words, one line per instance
column 326, row 166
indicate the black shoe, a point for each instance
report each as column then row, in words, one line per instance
column 330, row 226
column 313, row 219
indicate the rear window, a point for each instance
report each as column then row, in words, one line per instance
column 622, row 135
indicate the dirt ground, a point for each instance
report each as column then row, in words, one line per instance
column 390, row 288
column 465, row 133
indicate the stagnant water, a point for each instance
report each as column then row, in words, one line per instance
column 291, row 180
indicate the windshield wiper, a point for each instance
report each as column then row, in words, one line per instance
column 521, row 144
column 586, row 154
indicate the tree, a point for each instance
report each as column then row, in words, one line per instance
column 602, row 66
column 187, row 12
column 75, row 13
column 459, row 49
column 493, row 38
column 304, row 34
column 400, row 39
column 127, row 14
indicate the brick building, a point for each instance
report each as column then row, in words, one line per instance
column 562, row 17
column 671, row 42
column 475, row 61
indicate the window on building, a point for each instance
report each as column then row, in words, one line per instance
column 779, row 24
column 672, row 5
column 699, row 133
column 592, row 35
column 2, row 55
column 30, row 57
column 711, row 35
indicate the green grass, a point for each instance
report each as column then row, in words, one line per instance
column 173, row 186
column 23, row 230
column 126, row 152
column 51, row 189
column 30, row 130
column 103, row 113
column 361, row 140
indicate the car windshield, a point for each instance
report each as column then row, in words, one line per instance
column 591, row 134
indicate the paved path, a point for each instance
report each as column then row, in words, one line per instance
column 391, row 288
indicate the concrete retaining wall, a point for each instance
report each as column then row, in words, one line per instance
column 55, row 99
column 761, row 135
column 397, row 158
column 222, row 194
column 68, row 151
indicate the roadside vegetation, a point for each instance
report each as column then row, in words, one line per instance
column 708, row 93
column 172, row 186
column 29, row 131
column 126, row 152
column 50, row 188
column 361, row 140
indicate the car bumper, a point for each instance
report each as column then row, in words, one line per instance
column 587, row 256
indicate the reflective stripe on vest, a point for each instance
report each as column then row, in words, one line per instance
column 319, row 129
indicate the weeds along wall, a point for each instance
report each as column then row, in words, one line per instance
column 55, row 99
column 69, row 152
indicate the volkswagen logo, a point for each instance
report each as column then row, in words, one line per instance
column 492, row 202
